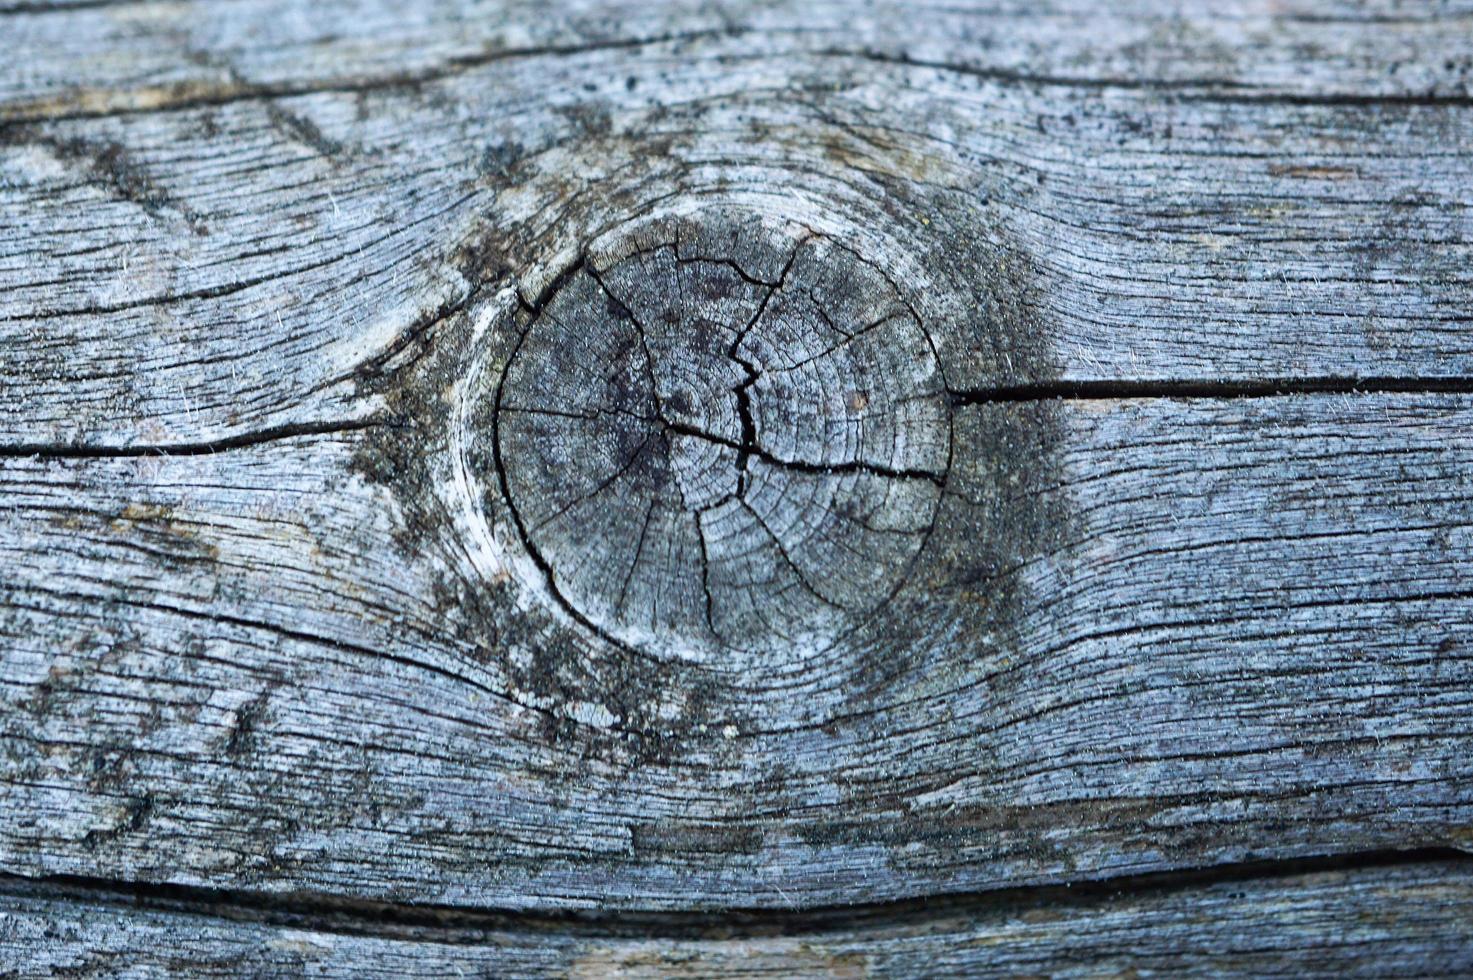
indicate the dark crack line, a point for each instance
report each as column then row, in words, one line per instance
column 1104, row 390
column 375, row 367
column 681, row 260
column 644, row 530
column 941, row 481
column 828, row 321
column 206, row 293
column 848, row 339
column 202, row 93
column 743, row 390
column 1222, row 90
column 920, row 323
column 536, row 304
column 593, row 416
column 533, row 552
column 788, row 560
column 747, row 451
column 731, row 264
column 748, row 445
column 623, row 309
column 208, row 94
column 700, row 516
column 32, row 7
column 244, row 440
column 634, row 457
column 470, row 925
column 320, row 640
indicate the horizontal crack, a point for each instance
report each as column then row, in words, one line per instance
column 1199, row 388
column 1188, row 90
column 744, row 449
column 53, row 7
column 1035, row 391
column 469, row 925
column 243, row 440
column 207, row 94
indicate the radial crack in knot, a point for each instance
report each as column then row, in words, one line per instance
column 803, row 437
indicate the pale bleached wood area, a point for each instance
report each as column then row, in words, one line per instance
column 578, row 488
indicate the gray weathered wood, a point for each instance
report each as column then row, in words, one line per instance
column 251, row 244
column 1409, row 921
column 1188, row 632
column 702, row 456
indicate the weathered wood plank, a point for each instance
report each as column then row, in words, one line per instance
column 252, row 245
column 567, row 455
column 1145, row 634
column 138, row 56
column 1399, row 921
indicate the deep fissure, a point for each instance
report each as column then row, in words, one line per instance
column 469, row 924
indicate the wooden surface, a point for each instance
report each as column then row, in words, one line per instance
column 1410, row 920
column 673, row 460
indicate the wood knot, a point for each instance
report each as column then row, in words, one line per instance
column 734, row 447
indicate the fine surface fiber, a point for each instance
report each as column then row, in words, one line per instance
column 709, row 460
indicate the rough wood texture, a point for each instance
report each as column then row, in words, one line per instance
column 1268, row 193
column 664, row 457
column 706, row 456
column 1144, row 634
column 1410, row 921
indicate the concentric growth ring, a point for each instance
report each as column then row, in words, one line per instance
column 713, row 464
